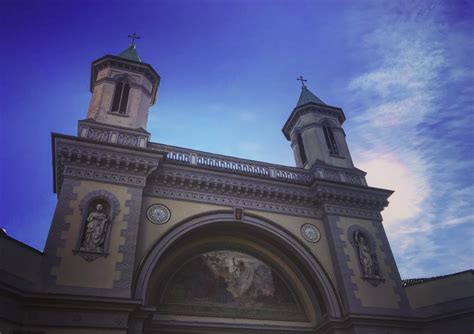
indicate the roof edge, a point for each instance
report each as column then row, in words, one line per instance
column 415, row 281
column 306, row 105
column 126, row 60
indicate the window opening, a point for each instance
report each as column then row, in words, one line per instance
column 301, row 148
column 330, row 140
column 120, row 101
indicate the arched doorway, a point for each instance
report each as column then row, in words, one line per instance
column 212, row 274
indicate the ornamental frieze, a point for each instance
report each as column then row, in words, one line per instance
column 92, row 130
column 85, row 160
column 227, row 200
column 362, row 197
column 352, row 212
column 104, row 156
column 227, row 185
column 104, row 176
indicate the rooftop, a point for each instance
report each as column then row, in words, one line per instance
column 307, row 96
column 130, row 53
column 414, row 281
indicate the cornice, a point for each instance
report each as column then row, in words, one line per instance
column 232, row 201
column 220, row 183
column 351, row 196
column 311, row 108
column 312, row 125
column 86, row 159
column 352, row 212
column 204, row 177
column 195, row 184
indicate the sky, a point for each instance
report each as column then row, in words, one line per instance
column 402, row 71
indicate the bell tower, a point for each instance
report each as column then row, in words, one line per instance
column 123, row 89
column 315, row 131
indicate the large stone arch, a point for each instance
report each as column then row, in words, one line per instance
column 318, row 279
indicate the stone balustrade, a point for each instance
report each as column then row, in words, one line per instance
column 260, row 169
column 110, row 134
column 250, row 167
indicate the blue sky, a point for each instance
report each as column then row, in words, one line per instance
column 403, row 72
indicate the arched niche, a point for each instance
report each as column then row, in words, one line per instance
column 98, row 229
column 298, row 293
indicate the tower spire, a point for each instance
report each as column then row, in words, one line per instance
column 134, row 37
column 306, row 95
column 302, row 81
column 131, row 52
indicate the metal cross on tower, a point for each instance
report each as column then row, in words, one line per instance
column 134, row 37
column 302, row 80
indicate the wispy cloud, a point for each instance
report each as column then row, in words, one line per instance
column 247, row 116
column 250, row 150
column 413, row 130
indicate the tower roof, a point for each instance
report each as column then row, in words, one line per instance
column 306, row 97
column 130, row 53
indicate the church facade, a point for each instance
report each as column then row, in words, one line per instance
column 152, row 238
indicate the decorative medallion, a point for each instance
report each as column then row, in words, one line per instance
column 158, row 214
column 310, row 233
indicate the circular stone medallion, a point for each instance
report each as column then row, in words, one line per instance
column 310, row 233
column 158, row 214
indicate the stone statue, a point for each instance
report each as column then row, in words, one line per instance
column 96, row 230
column 367, row 257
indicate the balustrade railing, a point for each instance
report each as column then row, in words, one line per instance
column 179, row 156
column 229, row 164
column 236, row 165
column 250, row 167
column 287, row 174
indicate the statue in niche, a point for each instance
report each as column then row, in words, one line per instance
column 367, row 257
column 96, row 230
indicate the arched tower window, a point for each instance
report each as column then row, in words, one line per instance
column 330, row 140
column 304, row 159
column 120, row 100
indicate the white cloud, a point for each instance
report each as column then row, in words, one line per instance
column 459, row 220
column 388, row 170
column 403, row 90
column 247, row 116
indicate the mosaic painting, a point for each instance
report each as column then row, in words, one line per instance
column 230, row 283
